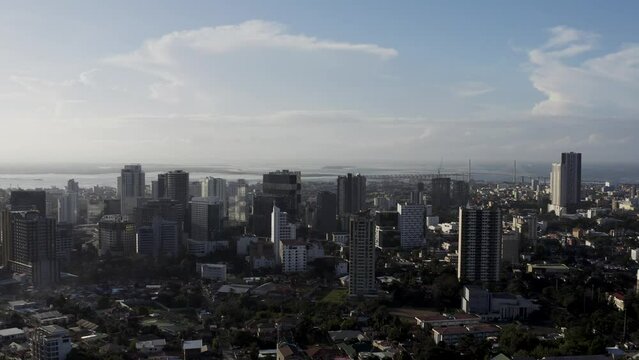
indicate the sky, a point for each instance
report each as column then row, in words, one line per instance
column 326, row 82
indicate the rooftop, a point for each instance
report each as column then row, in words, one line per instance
column 54, row 330
column 11, row 332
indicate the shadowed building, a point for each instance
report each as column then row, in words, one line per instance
column 362, row 255
column 440, row 195
column 479, row 245
column 24, row 200
column 29, row 246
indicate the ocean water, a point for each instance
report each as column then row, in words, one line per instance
column 45, row 176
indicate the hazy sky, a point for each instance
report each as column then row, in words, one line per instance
column 325, row 81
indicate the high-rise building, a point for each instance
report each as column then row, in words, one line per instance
column 281, row 229
column 212, row 186
column 161, row 238
column 132, row 186
column 362, row 256
column 510, row 248
column 29, row 246
column 177, row 186
column 207, row 219
column 325, row 220
column 412, row 219
column 565, row 184
column 167, row 209
column 116, row 236
column 293, row 255
column 351, row 194
column 440, row 195
column 73, row 186
column 158, row 188
column 68, row 208
column 51, row 342
column 63, row 241
column 286, row 185
column 387, row 233
column 239, row 209
column 195, row 189
column 24, row 200
column 460, row 193
column 479, row 245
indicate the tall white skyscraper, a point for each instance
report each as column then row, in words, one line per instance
column 362, row 256
column 68, row 208
column 131, row 187
column 212, row 186
column 281, row 229
column 411, row 225
column 565, row 184
column 479, row 245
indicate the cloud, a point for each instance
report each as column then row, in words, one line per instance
column 573, row 84
column 232, row 38
column 471, row 89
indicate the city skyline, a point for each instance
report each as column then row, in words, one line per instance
column 372, row 81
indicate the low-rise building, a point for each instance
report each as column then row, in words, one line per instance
column 11, row 335
column 453, row 334
column 544, row 269
column 51, row 342
column 496, row 306
column 212, row 271
column 441, row 320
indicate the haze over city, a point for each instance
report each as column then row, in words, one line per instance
column 327, row 82
column 319, row 180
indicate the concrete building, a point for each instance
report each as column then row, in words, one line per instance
column 293, row 256
column 116, row 236
column 281, row 230
column 159, row 239
column 195, row 189
column 526, row 226
column 453, row 334
column 11, row 335
column 440, row 195
column 286, row 185
column 565, row 184
column 351, row 197
column 460, row 193
column 479, row 245
column 29, row 241
column 68, row 211
column 207, row 219
column 351, row 194
column 362, row 256
column 50, row 342
column 131, row 187
column 63, row 241
column 243, row 244
column 387, row 233
column 411, row 225
column 215, row 272
column 496, row 306
column 216, row 187
column 239, row 208
column 174, row 185
column 24, row 200
column 510, row 248
column 325, row 217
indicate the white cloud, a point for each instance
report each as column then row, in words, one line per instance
column 231, row 38
column 604, row 85
column 471, row 89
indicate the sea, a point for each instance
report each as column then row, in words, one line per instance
column 88, row 175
